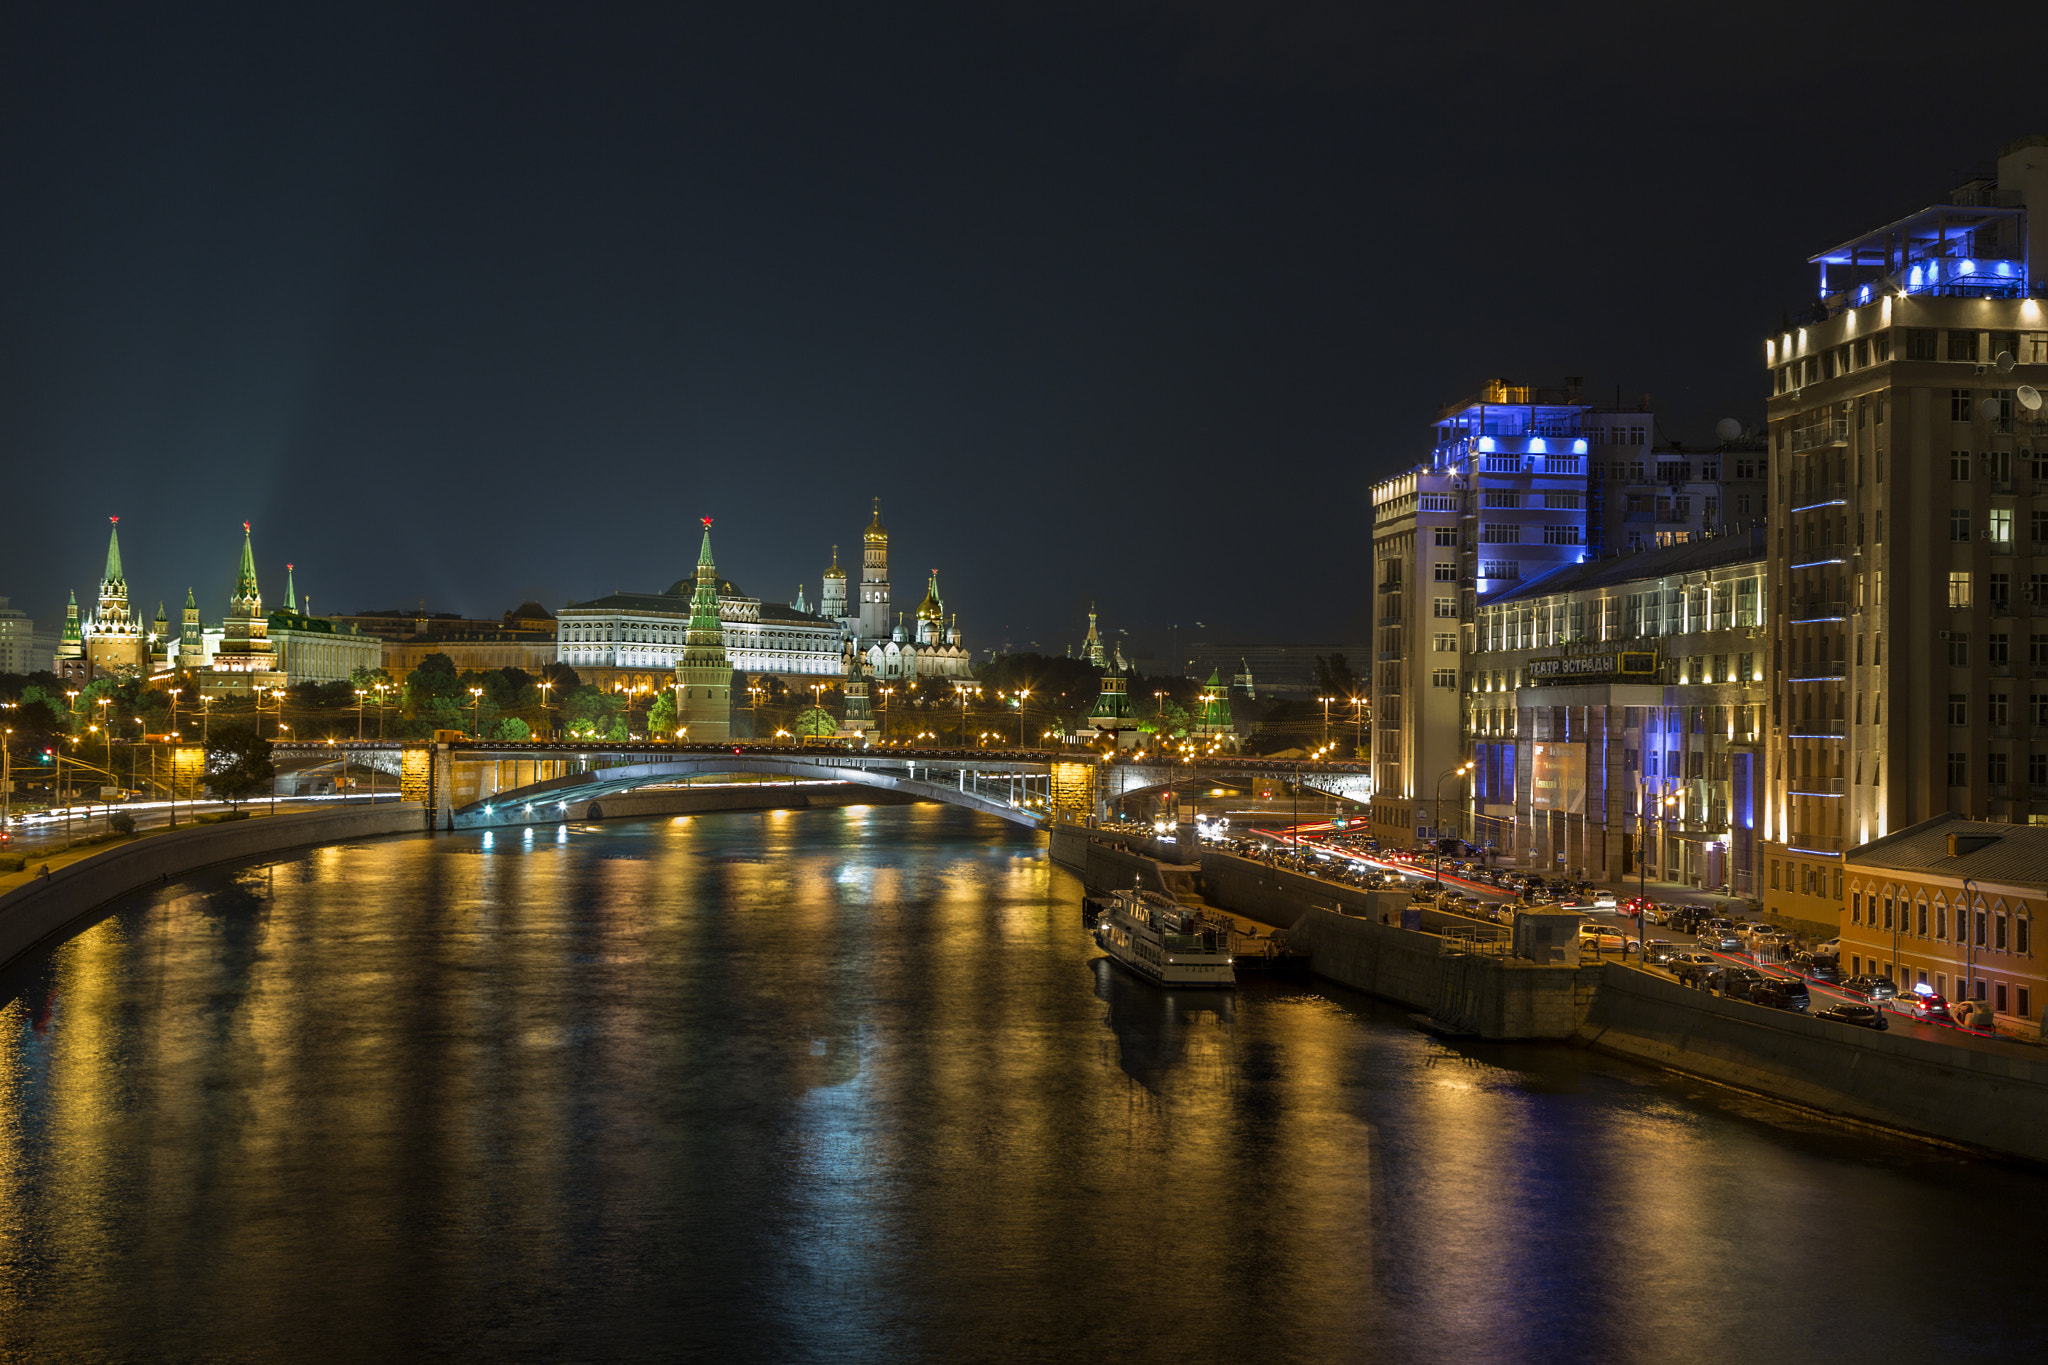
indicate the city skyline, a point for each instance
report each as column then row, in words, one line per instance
column 701, row 255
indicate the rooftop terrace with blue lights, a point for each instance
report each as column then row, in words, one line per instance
column 1959, row 250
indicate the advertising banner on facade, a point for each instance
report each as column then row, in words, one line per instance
column 1557, row 777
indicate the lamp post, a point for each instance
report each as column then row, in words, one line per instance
column 476, row 724
column 1022, row 693
column 1357, row 726
column 1326, row 718
column 1970, row 892
column 887, row 692
column 1643, row 855
column 361, row 692
column 1458, row 771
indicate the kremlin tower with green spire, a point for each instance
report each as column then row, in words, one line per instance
column 115, row 645
column 703, row 674
column 245, row 659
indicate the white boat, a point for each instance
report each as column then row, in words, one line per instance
column 1164, row 941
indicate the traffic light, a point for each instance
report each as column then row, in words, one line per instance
column 49, row 755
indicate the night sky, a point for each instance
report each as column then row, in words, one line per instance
column 1115, row 301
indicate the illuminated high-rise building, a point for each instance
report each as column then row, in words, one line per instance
column 1908, row 551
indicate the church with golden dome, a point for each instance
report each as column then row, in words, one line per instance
column 931, row 647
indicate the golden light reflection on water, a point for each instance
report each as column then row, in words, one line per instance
column 843, row 1085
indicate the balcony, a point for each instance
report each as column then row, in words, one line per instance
column 1819, row 609
column 1822, row 673
column 1821, row 435
column 1819, row 729
column 1816, row 786
column 1828, row 844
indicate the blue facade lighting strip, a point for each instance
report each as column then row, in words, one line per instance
column 1843, row 676
column 1816, row 734
column 1832, row 796
column 1815, row 506
column 1815, row 620
column 1819, row 563
column 1813, row 852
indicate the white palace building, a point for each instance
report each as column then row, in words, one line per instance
column 634, row 640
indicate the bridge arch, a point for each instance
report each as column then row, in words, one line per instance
column 558, row 797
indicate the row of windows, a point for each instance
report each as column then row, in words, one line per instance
column 1993, row 929
column 1509, row 497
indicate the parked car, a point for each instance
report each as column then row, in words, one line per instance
column 1737, row 983
column 1822, row 969
column 1602, row 938
column 1872, row 987
column 1719, row 941
column 1782, row 992
column 1659, row 952
column 1862, row 1016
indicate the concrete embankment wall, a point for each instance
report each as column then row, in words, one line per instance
column 48, row 906
column 1984, row 1098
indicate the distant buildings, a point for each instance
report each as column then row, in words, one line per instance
column 1520, row 482
column 20, row 650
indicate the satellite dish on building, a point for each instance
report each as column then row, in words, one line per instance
column 2030, row 397
column 2005, row 362
column 1727, row 428
column 1988, row 409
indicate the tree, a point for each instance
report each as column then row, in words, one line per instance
column 512, row 728
column 435, row 679
column 237, row 764
column 815, row 721
column 661, row 717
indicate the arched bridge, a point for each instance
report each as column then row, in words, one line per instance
column 490, row 784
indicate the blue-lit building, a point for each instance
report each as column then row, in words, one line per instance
column 1507, row 494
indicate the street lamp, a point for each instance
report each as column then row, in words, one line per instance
column 1022, row 693
column 1458, row 771
column 546, row 714
column 1642, row 854
column 361, row 692
column 476, row 724
column 1326, row 718
column 1358, row 726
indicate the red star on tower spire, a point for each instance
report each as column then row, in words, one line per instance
column 706, row 521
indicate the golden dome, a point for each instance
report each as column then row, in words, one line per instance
column 876, row 531
column 835, row 571
column 931, row 609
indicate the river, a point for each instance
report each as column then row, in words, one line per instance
column 853, row 1085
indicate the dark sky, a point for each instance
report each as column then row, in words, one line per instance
column 1121, row 301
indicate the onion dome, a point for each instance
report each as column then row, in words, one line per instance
column 931, row 609
column 835, row 571
column 876, row 531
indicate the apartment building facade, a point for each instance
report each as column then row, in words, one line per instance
column 1613, row 714
column 1909, row 545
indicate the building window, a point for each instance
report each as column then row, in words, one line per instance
column 1998, row 942
column 1446, row 535
column 1444, row 607
column 1998, row 526
column 1959, row 650
column 1995, row 709
column 1959, row 468
column 1958, row 708
column 2037, row 768
column 1500, row 533
column 1444, row 644
column 1958, row 770
column 1998, row 644
column 1995, row 769
column 1562, row 535
column 1562, row 502
column 1959, row 524
column 1497, row 497
column 1959, row 587
column 1443, row 677
column 1508, row 569
column 1922, row 343
column 1962, row 345
column 2019, row 945
column 1444, row 571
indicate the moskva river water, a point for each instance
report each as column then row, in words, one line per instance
column 854, row 1085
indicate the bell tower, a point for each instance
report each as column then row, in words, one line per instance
column 874, row 579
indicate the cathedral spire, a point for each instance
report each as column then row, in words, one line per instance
column 291, row 594
column 245, row 575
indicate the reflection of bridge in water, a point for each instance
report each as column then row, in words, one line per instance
column 490, row 784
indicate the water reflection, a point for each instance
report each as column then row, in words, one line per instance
column 855, row 1086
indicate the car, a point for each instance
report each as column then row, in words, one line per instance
column 1825, row 970
column 1872, row 987
column 1862, row 1016
column 1719, row 941
column 1636, row 905
column 1737, row 983
column 1925, row 1006
column 1782, row 992
column 1603, row 939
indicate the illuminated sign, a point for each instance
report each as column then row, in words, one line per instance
column 1626, row 663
